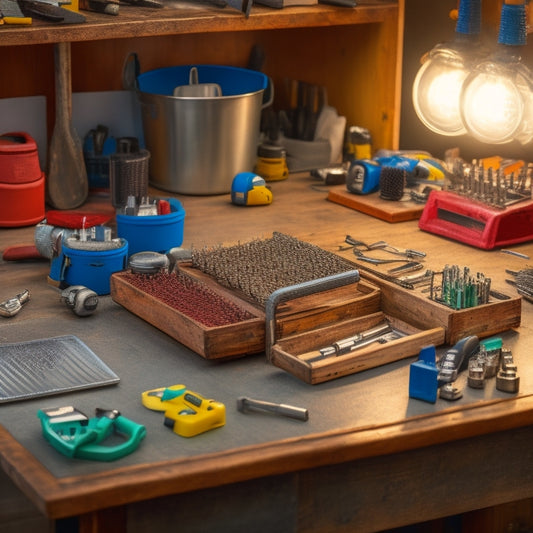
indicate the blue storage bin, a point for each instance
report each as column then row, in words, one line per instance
column 92, row 268
column 153, row 233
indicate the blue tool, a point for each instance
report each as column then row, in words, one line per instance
column 248, row 188
column 423, row 376
column 364, row 174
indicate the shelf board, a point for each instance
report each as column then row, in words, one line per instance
column 184, row 17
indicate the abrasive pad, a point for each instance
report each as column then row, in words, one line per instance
column 50, row 366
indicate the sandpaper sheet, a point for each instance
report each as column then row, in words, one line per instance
column 50, row 366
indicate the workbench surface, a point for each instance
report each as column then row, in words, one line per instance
column 368, row 458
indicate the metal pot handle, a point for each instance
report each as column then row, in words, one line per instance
column 130, row 71
column 268, row 94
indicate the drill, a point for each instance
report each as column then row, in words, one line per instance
column 364, row 175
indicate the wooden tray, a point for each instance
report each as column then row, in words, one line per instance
column 420, row 311
column 294, row 353
column 373, row 205
column 245, row 337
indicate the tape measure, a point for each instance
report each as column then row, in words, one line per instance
column 248, row 188
column 186, row 413
column 272, row 162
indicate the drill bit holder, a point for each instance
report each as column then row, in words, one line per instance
column 466, row 220
column 486, row 205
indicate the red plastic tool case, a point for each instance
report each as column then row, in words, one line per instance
column 474, row 223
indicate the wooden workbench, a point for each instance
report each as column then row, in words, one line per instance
column 368, row 459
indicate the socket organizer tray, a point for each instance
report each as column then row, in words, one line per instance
column 304, row 334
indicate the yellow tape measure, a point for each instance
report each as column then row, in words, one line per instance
column 186, row 413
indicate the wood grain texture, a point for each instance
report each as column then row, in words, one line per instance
column 374, row 206
column 307, row 456
column 67, row 185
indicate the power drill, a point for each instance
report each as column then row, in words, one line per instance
column 364, row 174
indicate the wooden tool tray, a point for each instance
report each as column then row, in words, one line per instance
column 299, row 354
column 422, row 312
column 246, row 336
column 304, row 325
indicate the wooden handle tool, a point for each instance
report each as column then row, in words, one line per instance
column 67, row 183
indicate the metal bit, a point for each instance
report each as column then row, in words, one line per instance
column 361, row 339
column 409, row 253
column 12, row 306
column 411, row 266
column 507, row 379
column 376, row 261
column 245, row 404
column 450, row 392
column 476, row 372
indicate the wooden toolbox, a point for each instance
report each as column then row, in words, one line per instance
column 304, row 325
column 246, row 336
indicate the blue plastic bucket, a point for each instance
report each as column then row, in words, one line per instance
column 153, row 233
column 92, row 268
column 199, row 144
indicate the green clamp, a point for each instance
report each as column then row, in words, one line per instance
column 73, row 434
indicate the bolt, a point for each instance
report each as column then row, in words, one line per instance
column 244, row 404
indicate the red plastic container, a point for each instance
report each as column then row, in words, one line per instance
column 22, row 187
column 22, row 204
column 19, row 159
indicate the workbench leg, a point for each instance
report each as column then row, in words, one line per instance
column 112, row 520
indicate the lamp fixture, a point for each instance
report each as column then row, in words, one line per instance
column 439, row 81
column 497, row 97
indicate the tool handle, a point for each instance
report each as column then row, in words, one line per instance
column 296, row 291
column 132, row 431
column 456, row 358
column 283, row 409
column 80, row 436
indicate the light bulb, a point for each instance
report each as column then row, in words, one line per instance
column 496, row 102
column 438, row 83
column 437, row 88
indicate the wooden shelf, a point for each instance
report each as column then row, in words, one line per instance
column 183, row 18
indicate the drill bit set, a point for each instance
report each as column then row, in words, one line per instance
column 460, row 288
column 483, row 208
column 523, row 280
column 498, row 187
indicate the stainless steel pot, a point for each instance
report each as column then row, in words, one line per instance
column 199, row 144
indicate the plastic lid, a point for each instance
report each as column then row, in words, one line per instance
column 14, row 142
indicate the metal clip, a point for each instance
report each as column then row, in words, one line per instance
column 12, row 306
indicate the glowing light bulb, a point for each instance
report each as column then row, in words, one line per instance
column 437, row 89
column 496, row 102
